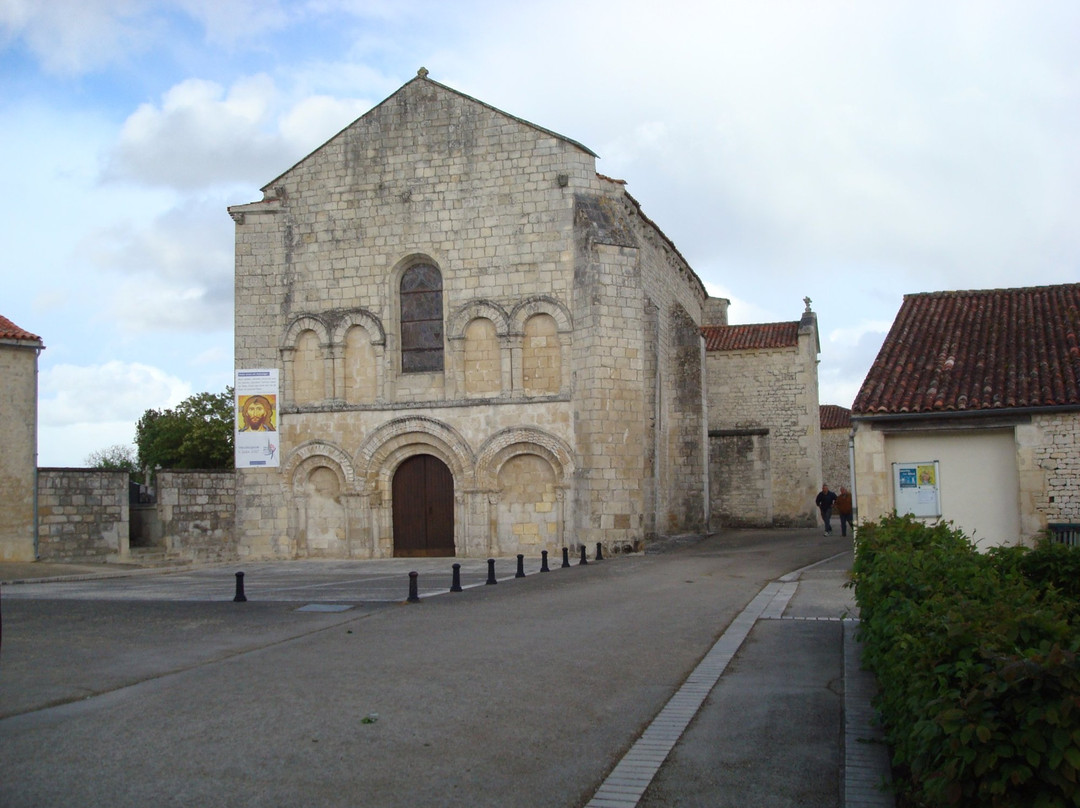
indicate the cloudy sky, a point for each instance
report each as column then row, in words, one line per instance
column 851, row 152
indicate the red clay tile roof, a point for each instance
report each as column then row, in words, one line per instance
column 978, row 350
column 834, row 417
column 8, row 330
column 750, row 337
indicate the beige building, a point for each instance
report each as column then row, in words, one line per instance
column 764, row 423
column 971, row 413
column 19, row 350
column 485, row 347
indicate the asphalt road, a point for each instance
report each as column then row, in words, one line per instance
column 159, row 689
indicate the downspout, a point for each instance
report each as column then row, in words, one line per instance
column 854, row 489
column 36, row 528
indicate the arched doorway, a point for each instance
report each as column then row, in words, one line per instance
column 423, row 499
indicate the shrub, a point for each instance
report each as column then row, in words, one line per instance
column 977, row 659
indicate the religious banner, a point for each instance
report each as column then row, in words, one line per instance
column 256, row 418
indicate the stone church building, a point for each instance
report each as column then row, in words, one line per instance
column 484, row 346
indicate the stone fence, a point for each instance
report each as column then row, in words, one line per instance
column 85, row 515
column 82, row 515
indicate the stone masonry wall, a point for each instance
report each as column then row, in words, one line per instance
column 609, row 395
column 428, row 175
column 18, row 456
column 835, row 458
column 740, row 478
column 82, row 515
column 196, row 511
column 674, row 392
column 1049, row 464
column 775, row 390
column 556, row 370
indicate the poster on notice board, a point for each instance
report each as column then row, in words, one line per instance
column 917, row 488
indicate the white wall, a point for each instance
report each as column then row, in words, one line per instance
column 980, row 483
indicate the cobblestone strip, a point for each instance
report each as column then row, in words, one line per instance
column 866, row 758
column 627, row 782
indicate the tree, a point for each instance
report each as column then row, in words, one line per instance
column 118, row 457
column 197, row 434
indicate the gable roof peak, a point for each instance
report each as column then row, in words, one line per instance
column 423, row 75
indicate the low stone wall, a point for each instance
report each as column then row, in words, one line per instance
column 82, row 515
column 196, row 514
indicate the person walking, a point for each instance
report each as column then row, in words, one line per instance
column 844, row 511
column 825, row 501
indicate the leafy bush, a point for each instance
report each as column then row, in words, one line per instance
column 978, row 659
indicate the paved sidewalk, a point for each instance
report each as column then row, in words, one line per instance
column 763, row 718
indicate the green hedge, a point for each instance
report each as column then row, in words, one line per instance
column 977, row 659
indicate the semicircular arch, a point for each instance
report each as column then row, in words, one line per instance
column 542, row 304
column 509, row 443
column 486, row 309
column 302, row 323
column 312, row 454
column 364, row 319
column 385, row 448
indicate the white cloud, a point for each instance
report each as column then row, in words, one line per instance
column 172, row 273
column 850, row 352
column 316, row 118
column 212, row 356
column 742, row 311
column 69, row 445
column 70, row 37
column 88, row 395
column 940, row 139
column 227, row 21
column 73, row 36
column 202, row 135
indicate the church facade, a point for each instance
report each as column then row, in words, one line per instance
column 484, row 346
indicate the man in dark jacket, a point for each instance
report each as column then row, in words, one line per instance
column 825, row 501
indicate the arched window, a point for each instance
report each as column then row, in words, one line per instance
column 421, row 320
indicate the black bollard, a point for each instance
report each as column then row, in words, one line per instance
column 521, row 567
column 566, row 557
column 240, row 597
column 414, row 597
column 491, row 572
column 543, row 561
column 456, row 585
column 584, row 560
column 599, row 551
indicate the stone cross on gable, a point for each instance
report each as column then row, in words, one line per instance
column 806, row 300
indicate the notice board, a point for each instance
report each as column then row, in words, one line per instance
column 917, row 488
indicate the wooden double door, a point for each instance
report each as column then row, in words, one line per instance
column 423, row 497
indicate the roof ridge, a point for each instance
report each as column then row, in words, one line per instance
column 979, row 350
column 995, row 291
